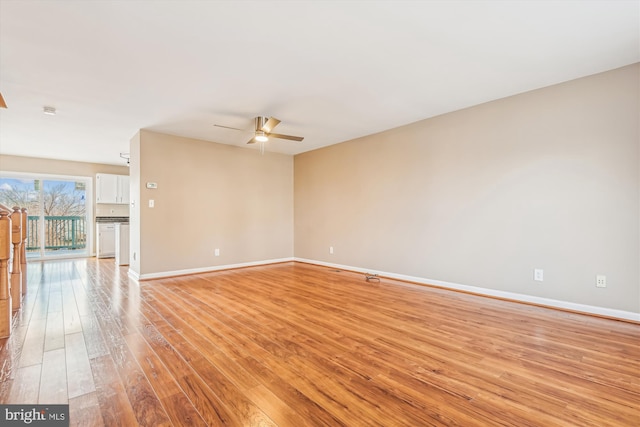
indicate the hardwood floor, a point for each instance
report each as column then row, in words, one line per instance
column 293, row 345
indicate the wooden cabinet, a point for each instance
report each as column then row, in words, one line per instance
column 112, row 189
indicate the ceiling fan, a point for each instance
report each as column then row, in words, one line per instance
column 263, row 128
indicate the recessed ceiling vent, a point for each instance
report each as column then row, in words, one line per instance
column 50, row 111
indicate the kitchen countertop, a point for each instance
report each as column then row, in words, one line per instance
column 112, row 219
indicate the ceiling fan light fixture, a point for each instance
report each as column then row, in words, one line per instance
column 261, row 137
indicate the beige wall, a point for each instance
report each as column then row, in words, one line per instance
column 547, row 179
column 57, row 167
column 209, row 196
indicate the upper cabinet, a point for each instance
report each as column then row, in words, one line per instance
column 112, row 189
column 106, row 188
column 123, row 189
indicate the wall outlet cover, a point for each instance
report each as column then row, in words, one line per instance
column 538, row 275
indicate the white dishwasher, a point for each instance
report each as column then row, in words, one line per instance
column 106, row 240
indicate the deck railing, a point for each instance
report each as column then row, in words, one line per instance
column 60, row 232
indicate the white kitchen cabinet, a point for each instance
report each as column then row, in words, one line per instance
column 123, row 189
column 112, row 189
column 106, row 188
column 106, row 240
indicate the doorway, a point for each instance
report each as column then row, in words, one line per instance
column 59, row 212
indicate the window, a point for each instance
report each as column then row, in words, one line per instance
column 59, row 212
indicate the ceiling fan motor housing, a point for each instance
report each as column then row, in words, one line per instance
column 260, row 122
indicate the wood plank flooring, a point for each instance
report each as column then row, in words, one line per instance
column 299, row 345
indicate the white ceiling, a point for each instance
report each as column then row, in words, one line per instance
column 330, row 70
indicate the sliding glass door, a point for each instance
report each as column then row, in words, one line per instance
column 58, row 213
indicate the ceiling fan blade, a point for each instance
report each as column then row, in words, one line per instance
column 229, row 127
column 289, row 137
column 271, row 123
column 252, row 140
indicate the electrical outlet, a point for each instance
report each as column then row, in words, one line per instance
column 330, row 249
column 601, row 281
column 216, row 252
column 538, row 274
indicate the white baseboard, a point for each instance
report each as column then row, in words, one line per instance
column 564, row 305
column 207, row 269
